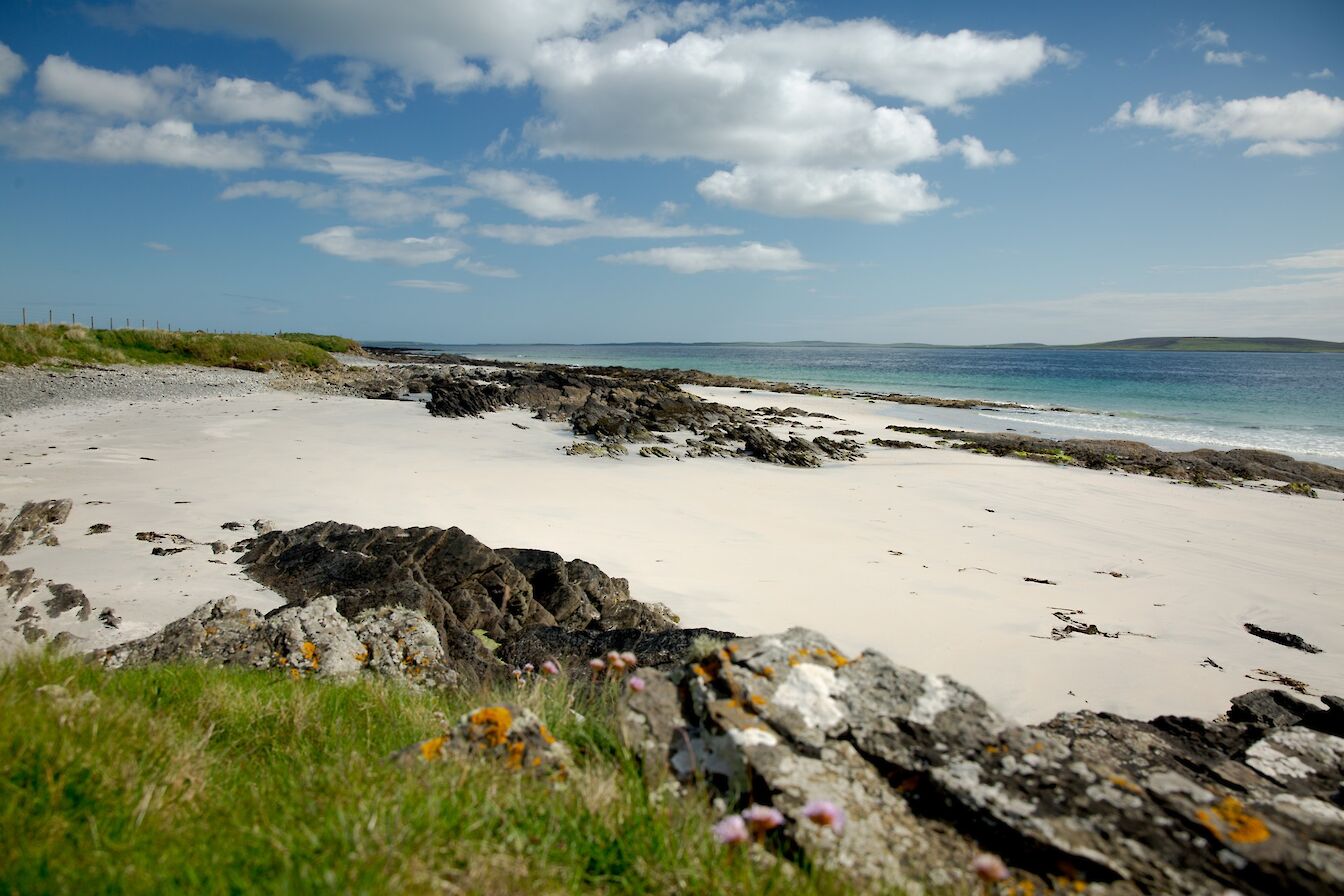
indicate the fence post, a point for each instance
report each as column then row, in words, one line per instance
column 25, row 317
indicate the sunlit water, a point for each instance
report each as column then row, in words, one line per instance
column 1292, row 403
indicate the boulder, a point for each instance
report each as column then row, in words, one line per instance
column 33, row 524
column 506, row 734
column 930, row 776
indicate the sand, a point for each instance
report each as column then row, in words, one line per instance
column 919, row 554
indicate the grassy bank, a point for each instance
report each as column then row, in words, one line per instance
column 325, row 342
column 38, row 343
column 198, row 780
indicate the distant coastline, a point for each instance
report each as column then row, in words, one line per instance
column 1139, row 344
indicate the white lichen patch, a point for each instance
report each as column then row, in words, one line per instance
column 753, row 737
column 938, row 695
column 810, row 691
column 1308, row 810
column 1273, row 764
column 963, row 777
column 1169, row 783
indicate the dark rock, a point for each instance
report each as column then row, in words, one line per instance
column 653, row 649
column 109, row 618
column 65, row 598
column 167, row 552
column 99, row 529
column 33, row 524
column 762, row 444
column 655, row 451
column 459, row 584
column 845, row 449
column 929, row 775
column 896, row 443
column 462, row 397
column 1287, row 639
column 232, row 527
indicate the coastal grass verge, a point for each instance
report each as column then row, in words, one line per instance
column 73, row 344
column 186, row 778
column 325, row 342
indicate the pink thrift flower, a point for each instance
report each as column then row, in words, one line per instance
column 528, row 668
column 731, row 830
column 762, row 818
column 550, row 667
column 596, row 664
column 989, row 867
column 826, row 814
column 629, row 659
column 636, row 683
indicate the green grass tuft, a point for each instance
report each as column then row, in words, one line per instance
column 183, row 778
column 324, row 342
column 39, row 343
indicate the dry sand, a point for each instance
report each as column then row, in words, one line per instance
column 919, row 554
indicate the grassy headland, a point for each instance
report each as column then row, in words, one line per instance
column 63, row 343
column 1215, row 344
column 184, row 778
column 325, row 342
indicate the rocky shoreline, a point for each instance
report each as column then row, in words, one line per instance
column 926, row 774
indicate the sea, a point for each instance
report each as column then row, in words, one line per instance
column 1287, row 402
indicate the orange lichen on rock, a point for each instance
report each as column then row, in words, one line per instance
column 494, row 723
column 309, row 651
column 432, row 749
column 514, row 756
column 1230, row 822
column 546, row 734
column 1125, row 784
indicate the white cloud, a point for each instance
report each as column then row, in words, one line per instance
column 435, row 285
column 1229, row 57
column 1323, row 74
column 163, row 92
column 698, row 259
column 872, row 196
column 534, row 195
column 1277, row 125
column 977, row 156
column 47, row 134
column 158, row 247
column 451, row 46
column 481, row 269
column 346, row 242
column 603, row 228
column 1321, row 259
column 12, row 68
column 352, row 166
column 363, row 203
column 1208, row 36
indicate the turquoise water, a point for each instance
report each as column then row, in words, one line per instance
column 1292, row 403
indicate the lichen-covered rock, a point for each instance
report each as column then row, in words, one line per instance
column 513, row 737
column 463, row 397
column 310, row 640
column 929, row 776
column 33, row 524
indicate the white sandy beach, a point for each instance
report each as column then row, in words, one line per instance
column 899, row 551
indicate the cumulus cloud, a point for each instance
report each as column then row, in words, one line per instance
column 348, row 242
column 1323, row 74
column 1207, row 36
column 1276, row 125
column 54, row 135
column 163, row 92
column 352, row 166
column 1228, row 57
column 698, row 259
column 977, row 156
column 12, row 68
column 452, row 46
column 872, row 196
column 534, row 195
column 435, row 285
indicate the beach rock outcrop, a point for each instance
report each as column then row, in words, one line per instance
column 33, row 524
column 463, row 397
column 930, row 776
column 309, row 640
column 655, row 649
column 461, row 586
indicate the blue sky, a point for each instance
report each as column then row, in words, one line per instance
column 605, row 170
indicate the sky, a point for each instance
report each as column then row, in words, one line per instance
column 614, row 170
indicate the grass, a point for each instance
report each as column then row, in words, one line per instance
column 183, row 778
column 324, row 342
column 45, row 343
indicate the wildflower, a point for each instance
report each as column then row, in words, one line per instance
column 731, row 830
column 528, row 668
column 629, row 659
column 826, row 814
column 762, row 818
column 614, row 660
column 550, row 667
column 596, row 664
column 989, row 867
column 636, row 683
column 518, row 674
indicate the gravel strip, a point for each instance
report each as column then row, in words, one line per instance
column 25, row 388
